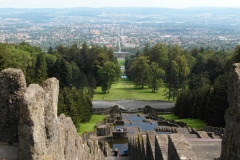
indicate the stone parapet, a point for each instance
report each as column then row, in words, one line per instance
column 151, row 145
column 161, row 147
column 179, row 148
column 216, row 130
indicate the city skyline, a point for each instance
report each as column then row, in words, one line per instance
column 118, row 3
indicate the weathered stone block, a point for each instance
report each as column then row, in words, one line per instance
column 12, row 88
column 231, row 138
column 161, row 147
column 179, row 148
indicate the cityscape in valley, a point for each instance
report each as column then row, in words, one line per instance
column 132, row 28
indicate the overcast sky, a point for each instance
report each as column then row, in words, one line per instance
column 116, row 3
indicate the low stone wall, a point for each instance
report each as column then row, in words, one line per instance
column 164, row 110
column 103, row 111
column 151, row 145
column 165, row 129
column 216, row 130
column 179, row 148
column 107, row 110
column 159, row 147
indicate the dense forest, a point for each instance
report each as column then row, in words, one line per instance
column 195, row 79
column 78, row 69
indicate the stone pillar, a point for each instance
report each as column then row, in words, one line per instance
column 12, row 88
column 231, row 138
column 151, row 145
column 51, row 88
column 31, row 127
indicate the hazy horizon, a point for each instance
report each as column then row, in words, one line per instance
column 180, row 4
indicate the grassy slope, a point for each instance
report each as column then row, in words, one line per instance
column 124, row 89
column 89, row 126
column 193, row 123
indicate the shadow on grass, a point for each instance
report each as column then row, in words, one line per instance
column 100, row 92
column 127, row 89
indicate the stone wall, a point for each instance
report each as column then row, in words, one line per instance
column 30, row 117
column 179, row 148
column 231, row 138
column 12, row 88
column 159, row 147
column 216, row 130
column 151, row 145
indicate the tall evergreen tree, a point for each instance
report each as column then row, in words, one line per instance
column 40, row 69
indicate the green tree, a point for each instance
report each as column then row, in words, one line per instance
column 40, row 69
column 177, row 72
column 63, row 72
column 2, row 56
column 139, row 70
column 109, row 73
column 159, row 55
column 155, row 76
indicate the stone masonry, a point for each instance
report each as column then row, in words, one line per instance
column 29, row 115
column 12, row 88
column 231, row 135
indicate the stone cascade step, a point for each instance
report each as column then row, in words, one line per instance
column 183, row 131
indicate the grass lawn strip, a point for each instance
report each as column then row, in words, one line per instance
column 124, row 89
column 89, row 126
column 193, row 123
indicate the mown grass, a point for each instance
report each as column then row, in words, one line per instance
column 124, row 89
column 121, row 61
column 193, row 123
column 89, row 126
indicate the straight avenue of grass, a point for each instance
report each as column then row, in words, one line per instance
column 89, row 126
column 124, row 89
column 193, row 123
column 121, row 61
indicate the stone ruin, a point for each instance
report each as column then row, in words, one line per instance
column 30, row 127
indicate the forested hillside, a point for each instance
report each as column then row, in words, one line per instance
column 196, row 79
column 78, row 69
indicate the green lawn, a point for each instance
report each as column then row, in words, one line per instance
column 121, row 61
column 124, row 89
column 193, row 123
column 89, row 126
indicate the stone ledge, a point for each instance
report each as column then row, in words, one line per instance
column 179, row 148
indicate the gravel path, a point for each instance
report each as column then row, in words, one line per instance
column 132, row 104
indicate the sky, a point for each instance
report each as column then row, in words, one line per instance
column 117, row 3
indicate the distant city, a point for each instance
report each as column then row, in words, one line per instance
column 122, row 29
